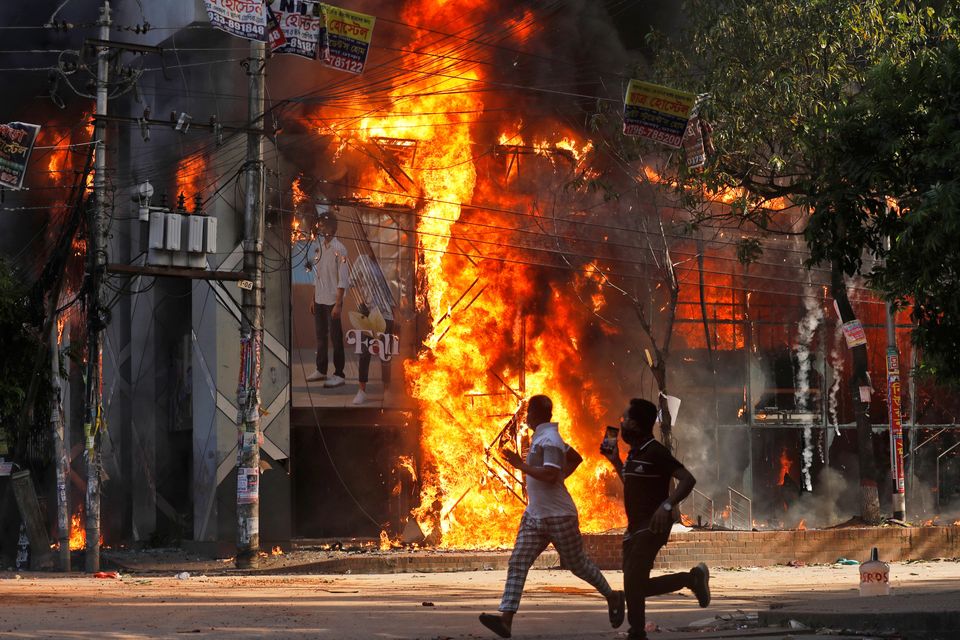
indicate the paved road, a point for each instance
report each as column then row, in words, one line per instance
column 409, row 606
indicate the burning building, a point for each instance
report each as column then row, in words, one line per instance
column 518, row 253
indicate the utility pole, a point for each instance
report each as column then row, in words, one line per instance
column 895, row 413
column 60, row 449
column 251, row 323
column 96, row 267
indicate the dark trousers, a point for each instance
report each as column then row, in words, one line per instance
column 365, row 356
column 328, row 329
column 639, row 553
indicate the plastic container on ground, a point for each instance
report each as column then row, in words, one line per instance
column 874, row 576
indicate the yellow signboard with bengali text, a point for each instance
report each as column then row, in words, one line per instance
column 656, row 112
column 346, row 38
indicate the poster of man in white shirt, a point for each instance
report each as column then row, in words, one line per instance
column 331, row 277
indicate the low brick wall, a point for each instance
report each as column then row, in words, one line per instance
column 765, row 548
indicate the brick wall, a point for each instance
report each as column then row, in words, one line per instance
column 764, row 548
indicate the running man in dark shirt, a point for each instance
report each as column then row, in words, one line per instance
column 651, row 511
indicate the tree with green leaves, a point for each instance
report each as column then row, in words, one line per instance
column 18, row 345
column 777, row 72
column 895, row 179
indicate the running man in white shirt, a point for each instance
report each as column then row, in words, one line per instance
column 551, row 516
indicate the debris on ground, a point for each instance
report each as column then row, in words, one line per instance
column 183, row 575
column 846, row 561
column 726, row 622
column 107, row 575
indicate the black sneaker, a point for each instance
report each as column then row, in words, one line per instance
column 701, row 584
column 616, row 607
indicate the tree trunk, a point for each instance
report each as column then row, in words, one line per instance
column 869, row 498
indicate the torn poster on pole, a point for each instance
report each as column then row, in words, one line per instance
column 244, row 18
column 16, row 143
column 655, row 112
column 248, row 485
column 345, row 38
column 300, row 24
column 854, row 334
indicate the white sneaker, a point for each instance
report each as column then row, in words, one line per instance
column 315, row 376
column 334, row 381
column 360, row 398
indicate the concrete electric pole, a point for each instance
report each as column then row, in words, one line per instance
column 96, row 268
column 251, row 323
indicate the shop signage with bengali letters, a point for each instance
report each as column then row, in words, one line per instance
column 243, row 18
column 346, row 38
column 16, row 144
column 301, row 24
column 655, row 112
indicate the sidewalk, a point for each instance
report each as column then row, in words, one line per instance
column 434, row 606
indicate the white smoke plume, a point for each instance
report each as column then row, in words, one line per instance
column 806, row 332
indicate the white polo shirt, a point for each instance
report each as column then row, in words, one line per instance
column 330, row 270
column 548, row 499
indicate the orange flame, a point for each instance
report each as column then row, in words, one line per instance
column 78, row 535
column 385, row 543
column 297, row 194
column 472, row 373
column 65, row 158
column 785, row 465
column 191, row 176
column 727, row 195
column 276, row 551
column 802, row 526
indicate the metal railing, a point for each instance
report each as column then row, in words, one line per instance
column 741, row 510
column 699, row 507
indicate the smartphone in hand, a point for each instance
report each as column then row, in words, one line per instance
column 609, row 444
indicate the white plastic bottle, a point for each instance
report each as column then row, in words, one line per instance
column 874, row 577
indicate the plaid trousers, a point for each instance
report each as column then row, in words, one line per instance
column 532, row 538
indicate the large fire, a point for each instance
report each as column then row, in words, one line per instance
column 488, row 352
column 68, row 152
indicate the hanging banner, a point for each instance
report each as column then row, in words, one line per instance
column 896, row 419
column 16, row 143
column 275, row 37
column 854, row 334
column 301, row 24
column 697, row 140
column 658, row 113
column 345, row 39
column 244, row 18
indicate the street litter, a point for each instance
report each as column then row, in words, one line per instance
column 183, row 575
column 725, row 622
column 107, row 575
column 796, row 625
